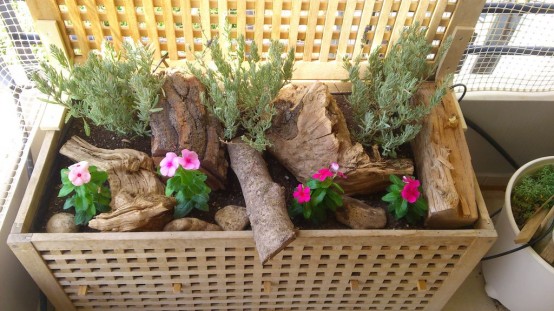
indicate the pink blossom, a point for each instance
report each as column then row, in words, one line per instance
column 302, row 194
column 334, row 167
column 79, row 174
column 410, row 192
column 342, row 175
column 189, row 161
column 322, row 174
column 169, row 165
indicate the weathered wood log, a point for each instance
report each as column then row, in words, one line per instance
column 265, row 200
column 191, row 224
column 143, row 212
column 183, row 123
column 358, row 215
column 444, row 165
column 309, row 132
column 127, row 169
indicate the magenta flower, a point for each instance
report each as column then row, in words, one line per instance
column 334, row 167
column 169, row 165
column 341, row 175
column 79, row 174
column 410, row 192
column 322, row 174
column 302, row 194
column 189, row 161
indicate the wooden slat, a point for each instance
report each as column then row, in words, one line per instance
column 131, row 16
column 170, row 29
column 152, row 27
column 419, row 15
column 366, row 17
column 187, row 28
column 276, row 20
column 449, row 63
column 436, row 19
column 75, row 17
column 310, row 31
column 259, row 24
column 222, row 16
column 399, row 22
column 205, row 20
column 49, row 10
column 96, row 25
column 294, row 22
column 115, row 28
column 328, row 30
column 346, row 28
column 241, row 18
column 381, row 25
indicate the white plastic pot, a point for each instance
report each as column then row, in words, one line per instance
column 521, row 281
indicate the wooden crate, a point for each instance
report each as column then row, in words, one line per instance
column 320, row 270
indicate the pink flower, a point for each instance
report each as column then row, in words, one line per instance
column 169, row 165
column 189, row 161
column 302, row 194
column 341, row 175
column 334, row 167
column 322, row 174
column 79, row 174
column 410, row 192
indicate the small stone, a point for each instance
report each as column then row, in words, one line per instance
column 358, row 215
column 190, row 224
column 232, row 218
column 61, row 223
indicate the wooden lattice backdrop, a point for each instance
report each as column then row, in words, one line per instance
column 322, row 31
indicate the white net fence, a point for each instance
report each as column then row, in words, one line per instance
column 512, row 48
column 19, row 107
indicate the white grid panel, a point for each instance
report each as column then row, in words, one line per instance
column 512, row 49
column 19, row 107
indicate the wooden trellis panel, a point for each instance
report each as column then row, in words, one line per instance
column 321, row 31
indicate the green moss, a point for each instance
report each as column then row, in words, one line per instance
column 531, row 192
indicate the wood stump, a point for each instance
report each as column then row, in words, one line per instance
column 265, row 200
column 138, row 200
column 309, row 132
column 183, row 123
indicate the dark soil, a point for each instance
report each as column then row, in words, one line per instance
column 218, row 199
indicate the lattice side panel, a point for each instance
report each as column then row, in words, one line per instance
column 311, row 274
column 323, row 30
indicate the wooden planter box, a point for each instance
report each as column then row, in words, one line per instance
column 320, row 270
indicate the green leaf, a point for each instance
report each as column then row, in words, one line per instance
column 326, row 183
column 103, row 208
column 394, row 188
column 201, row 202
column 390, row 197
column 395, row 179
column 295, row 209
column 312, row 184
column 80, row 218
column 87, row 127
column 65, row 190
column 64, row 176
column 335, row 198
column 307, row 212
column 69, row 203
column 318, row 196
column 420, row 205
column 403, row 210
column 338, row 187
column 183, row 209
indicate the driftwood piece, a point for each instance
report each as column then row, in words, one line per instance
column 358, row 215
column 444, row 166
column 190, row 224
column 309, row 132
column 183, row 123
column 143, row 212
column 265, row 201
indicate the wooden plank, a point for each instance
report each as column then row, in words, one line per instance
column 170, row 29
column 132, row 20
column 310, row 31
column 449, row 63
column 436, row 18
column 95, row 24
column 276, row 20
column 466, row 14
column 21, row 246
column 222, row 16
column 345, row 28
column 419, row 15
column 381, row 25
column 152, row 27
column 205, row 21
column 399, row 23
column 75, row 17
column 50, row 34
column 115, row 28
column 460, row 118
column 328, row 30
column 187, row 28
column 241, row 18
column 534, row 222
column 259, row 24
column 294, row 23
column 366, row 18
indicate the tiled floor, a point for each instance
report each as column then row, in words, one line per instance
column 471, row 295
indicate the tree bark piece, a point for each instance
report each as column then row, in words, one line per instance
column 444, row 165
column 191, row 224
column 183, row 123
column 144, row 212
column 309, row 132
column 358, row 215
column 265, row 201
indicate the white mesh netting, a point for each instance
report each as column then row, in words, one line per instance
column 512, row 48
column 19, row 108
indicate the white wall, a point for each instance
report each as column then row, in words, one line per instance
column 524, row 128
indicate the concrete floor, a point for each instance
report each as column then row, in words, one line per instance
column 471, row 295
